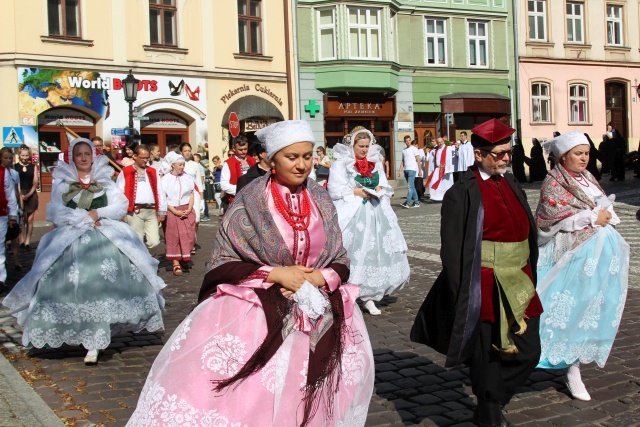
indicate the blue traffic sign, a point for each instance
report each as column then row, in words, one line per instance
column 120, row 132
column 12, row 136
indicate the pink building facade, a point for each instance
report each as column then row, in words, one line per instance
column 579, row 68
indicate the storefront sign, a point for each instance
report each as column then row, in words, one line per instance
column 67, row 117
column 164, row 120
column 83, row 98
column 337, row 107
column 254, row 125
column 246, row 88
column 405, row 126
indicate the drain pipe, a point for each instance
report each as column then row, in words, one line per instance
column 287, row 43
column 516, row 105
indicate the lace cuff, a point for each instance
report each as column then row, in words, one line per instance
column 332, row 278
column 310, row 300
column 260, row 274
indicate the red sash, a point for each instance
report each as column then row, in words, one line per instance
column 235, row 171
column 443, row 162
column 131, row 185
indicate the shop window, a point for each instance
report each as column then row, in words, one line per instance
column 163, row 22
column 537, row 20
column 64, row 18
column 436, row 42
column 478, row 44
column 579, row 103
column 250, row 27
column 326, row 33
column 575, row 22
column 614, row 25
column 364, row 33
column 540, row 102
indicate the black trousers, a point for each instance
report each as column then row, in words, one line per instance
column 494, row 375
column 419, row 184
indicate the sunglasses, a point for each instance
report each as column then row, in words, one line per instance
column 499, row 155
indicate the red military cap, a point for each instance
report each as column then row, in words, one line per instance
column 491, row 132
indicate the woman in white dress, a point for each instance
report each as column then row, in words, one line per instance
column 92, row 275
column 583, row 267
column 371, row 235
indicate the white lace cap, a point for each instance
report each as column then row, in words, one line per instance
column 565, row 142
column 310, row 300
column 279, row 135
column 75, row 141
column 173, row 157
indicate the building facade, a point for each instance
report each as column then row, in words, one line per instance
column 579, row 64
column 64, row 62
column 398, row 68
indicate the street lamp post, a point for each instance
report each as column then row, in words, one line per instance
column 130, row 87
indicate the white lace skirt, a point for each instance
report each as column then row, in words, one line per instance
column 375, row 245
column 583, row 295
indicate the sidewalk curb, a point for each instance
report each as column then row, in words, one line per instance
column 24, row 403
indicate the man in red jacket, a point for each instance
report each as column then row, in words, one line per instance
column 235, row 166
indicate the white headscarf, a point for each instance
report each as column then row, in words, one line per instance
column 562, row 144
column 279, row 135
column 75, row 141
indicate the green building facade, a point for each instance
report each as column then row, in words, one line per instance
column 402, row 67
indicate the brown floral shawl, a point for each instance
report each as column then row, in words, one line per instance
column 562, row 197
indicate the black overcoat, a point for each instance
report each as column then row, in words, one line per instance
column 449, row 316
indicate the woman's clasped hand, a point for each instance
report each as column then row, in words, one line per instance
column 604, row 216
column 293, row 277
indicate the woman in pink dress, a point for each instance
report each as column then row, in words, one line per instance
column 277, row 338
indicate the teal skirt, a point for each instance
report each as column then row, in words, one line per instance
column 91, row 292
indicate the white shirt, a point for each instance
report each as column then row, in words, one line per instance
column 10, row 193
column 193, row 169
column 178, row 189
column 144, row 193
column 409, row 155
column 466, row 157
column 225, row 176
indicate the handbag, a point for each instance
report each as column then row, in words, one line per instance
column 322, row 172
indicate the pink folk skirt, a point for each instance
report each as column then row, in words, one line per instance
column 180, row 235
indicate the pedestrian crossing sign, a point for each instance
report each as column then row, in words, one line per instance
column 12, row 136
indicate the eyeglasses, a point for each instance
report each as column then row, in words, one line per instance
column 499, row 155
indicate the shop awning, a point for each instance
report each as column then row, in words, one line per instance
column 252, row 106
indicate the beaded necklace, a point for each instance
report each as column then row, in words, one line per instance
column 580, row 179
column 297, row 221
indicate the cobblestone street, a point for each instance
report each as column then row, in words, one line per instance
column 412, row 386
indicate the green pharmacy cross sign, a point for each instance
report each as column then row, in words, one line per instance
column 312, row 108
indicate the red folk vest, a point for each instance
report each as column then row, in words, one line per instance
column 235, row 169
column 505, row 220
column 131, row 185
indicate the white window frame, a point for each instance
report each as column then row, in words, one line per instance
column 576, row 100
column 439, row 62
column 365, row 28
column 331, row 27
column 536, row 15
column 541, row 103
column 615, row 22
column 575, row 21
column 476, row 39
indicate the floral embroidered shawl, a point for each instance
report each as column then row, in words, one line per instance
column 249, row 233
column 561, row 197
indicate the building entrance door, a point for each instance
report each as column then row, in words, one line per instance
column 164, row 129
column 424, row 134
column 616, row 101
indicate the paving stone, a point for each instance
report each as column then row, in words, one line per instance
column 442, row 396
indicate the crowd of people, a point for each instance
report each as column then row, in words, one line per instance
column 277, row 327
